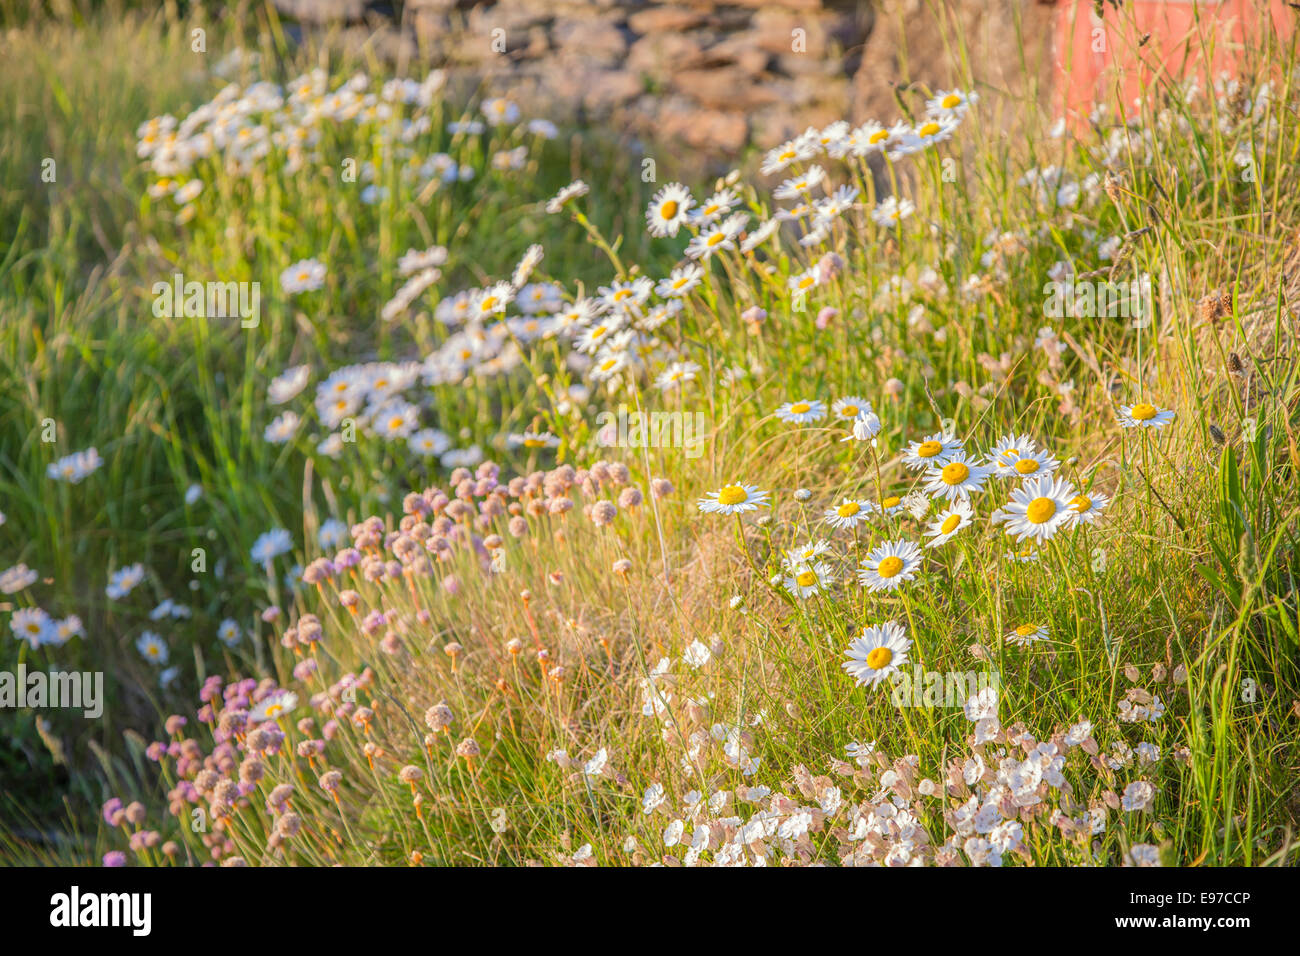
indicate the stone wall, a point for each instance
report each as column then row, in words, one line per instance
column 711, row 75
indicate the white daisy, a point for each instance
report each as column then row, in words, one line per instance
column 1027, row 634
column 948, row 522
column 892, row 563
column 1144, row 415
column 957, row 478
column 668, row 210
column 306, row 275
column 270, row 545
column 682, row 280
column 806, row 580
column 848, row 514
column 877, row 653
column 802, row 413
column 850, row 407
column 936, row 449
column 1038, row 508
column 1087, row 507
column 734, row 499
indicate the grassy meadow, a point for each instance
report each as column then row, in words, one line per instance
column 916, row 492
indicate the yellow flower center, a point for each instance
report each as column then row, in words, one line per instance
column 849, row 411
column 489, row 303
column 732, row 495
column 1081, row 503
column 1024, row 630
column 950, row 524
column 879, row 658
column 878, row 136
column 890, row 502
column 716, row 238
column 949, row 101
column 954, row 473
column 890, row 566
column 1026, row 466
column 848, row 509
column 275, row 710
column 800, row 407
column 929, row 129
column 1040, row 510
column 789, row 154
column 807, row 282
column 1143, row 412
column 534, row 443
column 806, row 580
column 928, row 449
column 395, row 422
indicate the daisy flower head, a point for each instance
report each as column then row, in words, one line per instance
column 799, row 186
column 395, row 418
column 734, row 499
column 561, row 199
column 850, row 407
column 228, row 632
column 608, row 364
column 1007, row 451
column 803, row 283
column 306, row 275
column 797, row 557
column 1032, row 464
column 948, row 522
column 865, row 427
column 957, row 478
column 1027, row 634
column 951, row 102
column 288, row 384
column 668, row 210
column 848, row 514
column 274, row 707
column 282, row 429
column 1038, row 508
column 932, row 130
column 428, row 442
column 889, row 565
column 806, row 580
column 1087, row 507
column 802, row 412
column 877, row 653
column 492, row 300
column 270, row 545
column 676, row 375
column 1144, row 415
column 33, row 625
column 152, row 648
column 890, row 505
column 785, row 155
column 889, row 212
column 682, row 280
column 937, row 449
column 715, row 207
column 533, row 440
column 716, row 238
column 124, row 580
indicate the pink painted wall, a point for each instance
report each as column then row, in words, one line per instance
column 1223, row 28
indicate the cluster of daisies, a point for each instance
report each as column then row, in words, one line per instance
column 1041, row 504
column 243, row 127
column 369, row 398
column 76, row 467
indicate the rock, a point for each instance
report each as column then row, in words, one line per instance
column 665, row 19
